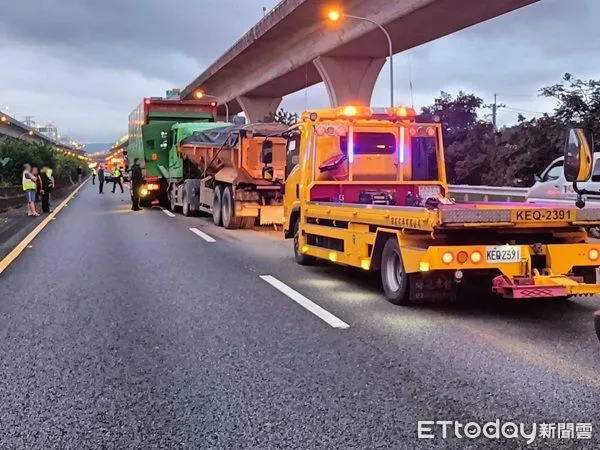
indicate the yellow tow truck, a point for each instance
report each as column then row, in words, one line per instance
column 369, row 190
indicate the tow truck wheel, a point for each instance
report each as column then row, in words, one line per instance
column 597, row 323
column 230, row 220
column 301, row 258
column 393, row 277
column 216, row 207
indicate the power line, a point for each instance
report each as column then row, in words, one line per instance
column 524, row 110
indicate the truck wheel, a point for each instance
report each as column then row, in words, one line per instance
column 230, row 221
column 301, row 258
column 216, row 207
column 393, row 277
column 597, row 323
column 185, row 208
column 172, row 202
column 248, row 223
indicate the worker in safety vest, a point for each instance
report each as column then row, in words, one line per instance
column 49, row 175
column 117, row 175
column 94, row 173
column 29, row 182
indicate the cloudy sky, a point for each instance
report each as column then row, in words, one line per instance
column 85, row 64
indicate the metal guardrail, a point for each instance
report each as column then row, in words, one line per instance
column 467, row 193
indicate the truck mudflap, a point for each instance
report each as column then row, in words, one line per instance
column 271, row 214
column 542, row 286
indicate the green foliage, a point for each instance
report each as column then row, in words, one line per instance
column 15, row 153
column 476, row 155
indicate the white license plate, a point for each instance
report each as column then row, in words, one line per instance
column 503, row 254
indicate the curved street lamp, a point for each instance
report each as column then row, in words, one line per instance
column 336, row 15
column 201, row 94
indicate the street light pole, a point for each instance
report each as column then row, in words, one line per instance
column 335, row 15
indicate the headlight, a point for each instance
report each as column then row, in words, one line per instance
column 144, row 192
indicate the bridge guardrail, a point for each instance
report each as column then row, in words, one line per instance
column 465, row 193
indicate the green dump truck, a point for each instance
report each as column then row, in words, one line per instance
column 151, row 137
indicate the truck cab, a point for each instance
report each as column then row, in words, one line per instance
column 356, row 155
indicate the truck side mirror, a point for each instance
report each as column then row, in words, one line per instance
column 578, row 156
column 267, row 152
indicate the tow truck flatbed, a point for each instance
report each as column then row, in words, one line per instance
column 463, row 215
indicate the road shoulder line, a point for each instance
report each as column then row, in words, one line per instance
column 15, row 252
column 307, row 304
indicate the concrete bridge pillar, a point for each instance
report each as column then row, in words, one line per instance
column 349, row 79
column 258, row 108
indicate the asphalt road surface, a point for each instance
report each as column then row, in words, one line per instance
column 128, row 330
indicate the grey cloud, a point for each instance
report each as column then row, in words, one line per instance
column 87, row 63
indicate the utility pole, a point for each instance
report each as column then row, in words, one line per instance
column 28, row 121
column 495, row 107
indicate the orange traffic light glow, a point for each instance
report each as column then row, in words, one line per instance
column 199, row 95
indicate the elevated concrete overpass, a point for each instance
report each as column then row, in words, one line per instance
column 293, row 47
column 14, row 129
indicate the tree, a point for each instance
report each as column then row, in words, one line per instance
column 15, row 153
column 458, row 115
column 578, row 103
column 282, row 116
column 461, row 131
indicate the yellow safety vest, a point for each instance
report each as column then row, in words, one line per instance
column 49, row 173
column 117, row 173
column 28, row 185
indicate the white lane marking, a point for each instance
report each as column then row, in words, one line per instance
column 167, row 212
column 321, row 313
column 202, row 234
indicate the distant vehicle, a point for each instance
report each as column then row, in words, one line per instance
column 551, row 185
column 108, row 176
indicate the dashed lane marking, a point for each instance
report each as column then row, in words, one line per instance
column 296, row 296
column 25, row 243
column 202, row 234
column 167, row 212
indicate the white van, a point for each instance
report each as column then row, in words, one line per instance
column 551, row 185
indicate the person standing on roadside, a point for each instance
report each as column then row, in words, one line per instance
column 38, row 184
column 100, row 179
column 79, row 174
column 94, row 173
column 117, row 179
column 137, row 181
column 29, row 187
column 46, row 182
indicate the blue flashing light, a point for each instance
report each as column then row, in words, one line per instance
column 401, row 146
